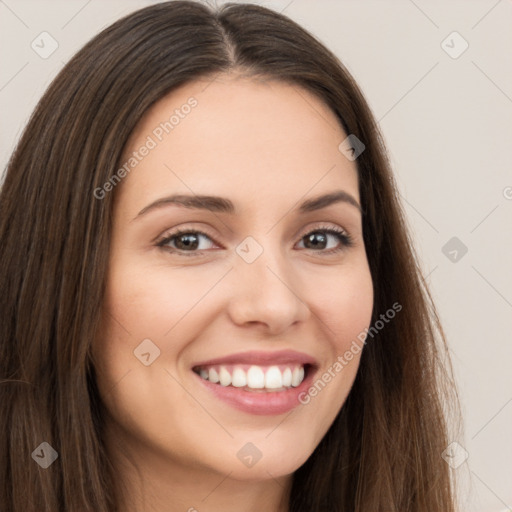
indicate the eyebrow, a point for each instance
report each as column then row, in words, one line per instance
column 222, row 205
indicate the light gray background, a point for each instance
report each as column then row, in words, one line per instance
column 448, row 126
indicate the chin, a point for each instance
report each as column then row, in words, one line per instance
column 269, row 460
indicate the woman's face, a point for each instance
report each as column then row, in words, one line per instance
column 256, row 292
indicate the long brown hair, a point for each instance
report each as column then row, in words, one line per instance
column 383, row 451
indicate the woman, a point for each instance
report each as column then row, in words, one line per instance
column 210, row 301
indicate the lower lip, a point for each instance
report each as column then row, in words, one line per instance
column 260, row 402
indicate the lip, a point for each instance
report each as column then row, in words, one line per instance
column 261, row 402
column 262, row 358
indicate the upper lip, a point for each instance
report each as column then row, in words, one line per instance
column 262, row 358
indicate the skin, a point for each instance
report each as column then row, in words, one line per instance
column 266, row 146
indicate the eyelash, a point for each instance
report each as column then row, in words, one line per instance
column 345, row 239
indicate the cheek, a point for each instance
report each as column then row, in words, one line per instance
column 141, row 398
column 147, row 310
column 149, row 302
column 344, row 304
column 161, row 293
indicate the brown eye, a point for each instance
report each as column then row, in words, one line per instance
column 318, row 240
column 185, row 241
column 315, row 240
column 189, row 242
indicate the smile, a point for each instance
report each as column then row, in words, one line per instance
column 254, row 377
column 263, row 383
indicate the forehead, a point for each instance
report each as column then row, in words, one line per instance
column 239, row 137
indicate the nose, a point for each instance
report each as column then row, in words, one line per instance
column 267, row 292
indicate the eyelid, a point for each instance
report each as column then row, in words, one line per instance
column 324, row 226
column 180, row 229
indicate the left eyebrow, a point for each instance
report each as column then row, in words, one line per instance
column 223, row 205
column 319, row 202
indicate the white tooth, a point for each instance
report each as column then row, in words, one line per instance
column 213, row 376
column 224, row 376
column 239, row 378
column 204, row 374
column 297, row 376
column 287, row 378
column 255, row 378
column 273, row 378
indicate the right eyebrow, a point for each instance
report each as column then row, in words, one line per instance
column 210, row 203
